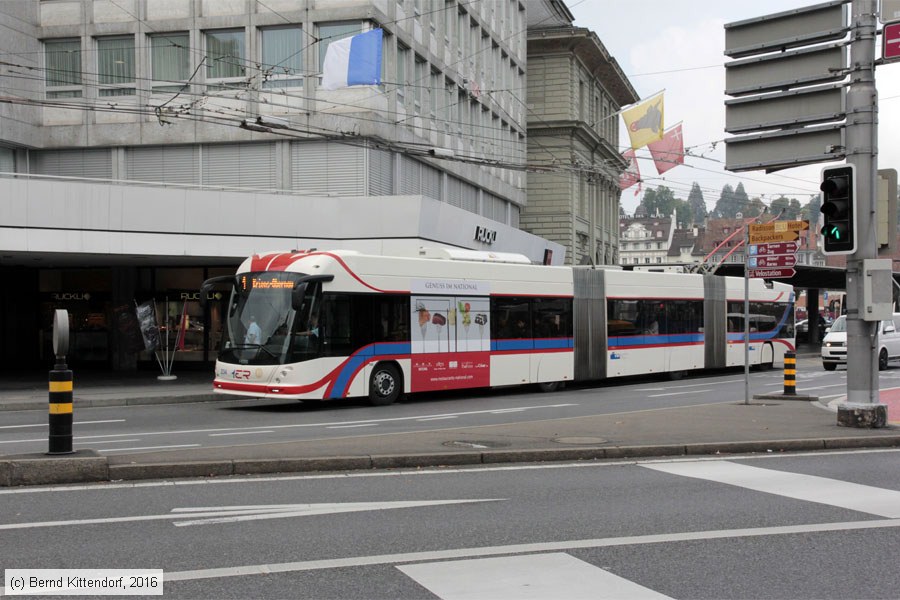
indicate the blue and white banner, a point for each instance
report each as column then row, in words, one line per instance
column 353, row 61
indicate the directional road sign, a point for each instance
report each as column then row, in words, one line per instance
column 777, row 273
column 768, row 262
column 774, row 236
column 774, row 248
column 779, row 226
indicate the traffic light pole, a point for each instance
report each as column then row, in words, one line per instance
column 861, row 147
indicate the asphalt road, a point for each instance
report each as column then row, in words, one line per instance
column 151, row 428
column 823, row 525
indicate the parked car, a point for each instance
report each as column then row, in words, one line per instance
column 834, row 346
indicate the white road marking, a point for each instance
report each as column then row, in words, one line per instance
column 242, row 432
column 388, row 559
column 295, row 425
column 550, row 576
column 150, row 448
column 832, row 492
column 75, row 423
column 678, row 393
column 437, row 418
column 678, row 387
column 229, row 514
column 110, row 441
column 352, row 426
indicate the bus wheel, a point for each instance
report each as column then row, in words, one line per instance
column 385, row 386
column 550, row 386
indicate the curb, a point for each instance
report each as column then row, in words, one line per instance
column 88, row 466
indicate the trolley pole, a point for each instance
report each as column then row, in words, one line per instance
column 60, row 408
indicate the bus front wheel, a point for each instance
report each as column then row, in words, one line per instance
column 385, row 385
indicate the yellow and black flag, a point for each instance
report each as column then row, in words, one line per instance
column 644, row 121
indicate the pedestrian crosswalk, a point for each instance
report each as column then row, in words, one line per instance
column 560, row 575
column 532, row 576
column 563, row 568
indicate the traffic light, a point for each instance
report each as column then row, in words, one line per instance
column 838, row 191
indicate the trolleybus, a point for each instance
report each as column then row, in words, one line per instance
column 335, row 324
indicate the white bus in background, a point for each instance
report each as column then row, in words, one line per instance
column 335, row 324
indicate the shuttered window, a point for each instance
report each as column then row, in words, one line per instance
column 326, row 167
column 381, row 173
column 93, row 163
column 164, row 164
column 7, row 160
column 240, row 165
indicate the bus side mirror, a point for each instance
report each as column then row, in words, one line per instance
column 299, row 290
column 207, row 286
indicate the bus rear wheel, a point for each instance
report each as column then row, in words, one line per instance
column 385, row 385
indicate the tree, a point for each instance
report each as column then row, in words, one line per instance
column 697, row 205
column 740, row 200
column 755, row 208
column 725, row 208
column 683, row 213
column 790, row 206
column 660, row 201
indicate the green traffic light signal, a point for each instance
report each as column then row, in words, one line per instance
column 838, row 210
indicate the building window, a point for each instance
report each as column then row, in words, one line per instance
column 419, row 84
column 224, row 57
column 115, row 66
column 170, row 62
column 63, row 68
column 659, row 260
column 402, row 67
column 332, row 32
column 282, row 56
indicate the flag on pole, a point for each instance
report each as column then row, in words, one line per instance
column 354, row 60
column 632, row 173
column 644, row 121
column 669, row 151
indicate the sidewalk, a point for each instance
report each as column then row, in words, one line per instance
column 770, row 425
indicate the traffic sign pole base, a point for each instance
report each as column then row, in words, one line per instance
column 862, row 416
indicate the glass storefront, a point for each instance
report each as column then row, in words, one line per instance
column 96, row 320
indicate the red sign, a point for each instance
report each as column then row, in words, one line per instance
column 767, row 262
column 774, row 248
column 778, row 273
column 890, row 42
column 450, row 371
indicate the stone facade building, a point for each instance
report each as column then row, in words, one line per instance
column 575, row 89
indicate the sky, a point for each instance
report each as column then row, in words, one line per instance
column 678, row 46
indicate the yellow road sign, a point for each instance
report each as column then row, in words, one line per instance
column 773, row 236
column 779, row 226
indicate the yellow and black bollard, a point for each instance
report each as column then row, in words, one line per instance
column 790, row 373
column 60, row 410
column 60, row 389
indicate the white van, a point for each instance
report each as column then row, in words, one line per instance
column 834, row 346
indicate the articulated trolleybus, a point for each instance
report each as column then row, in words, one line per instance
column 335, row 324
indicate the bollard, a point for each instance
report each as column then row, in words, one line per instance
column 60, row 410
column 790, row 373
column 60, row 389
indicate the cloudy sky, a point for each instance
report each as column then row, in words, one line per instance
column 678, row 46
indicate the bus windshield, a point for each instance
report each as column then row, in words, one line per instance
column 261, row 320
